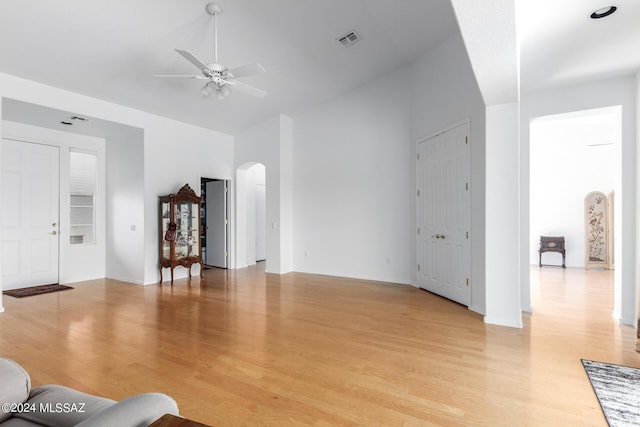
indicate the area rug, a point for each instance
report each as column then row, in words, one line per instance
column 36, row 290
column 618, row 390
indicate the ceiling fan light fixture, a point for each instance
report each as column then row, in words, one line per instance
column 220, row 78
column 603, row 12
column 207, row 90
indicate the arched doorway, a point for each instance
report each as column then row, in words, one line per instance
column 251, row 239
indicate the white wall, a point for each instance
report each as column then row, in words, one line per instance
column 444, row 91
column 352, row 187
column 565, row 167
column 637, row 272
column 175, row 153
column 598, row 94
column 354, row 170
column 637, row 172
column 125, row 207
column 178, row 154
column 286, row 194
column 76, row 262
column 1, row 304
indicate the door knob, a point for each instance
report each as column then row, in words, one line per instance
column 442, row 236
column 54, row 232
column 54, row 224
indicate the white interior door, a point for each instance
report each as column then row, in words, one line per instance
column 30, row 197
column 443, row 214
column 216, row 221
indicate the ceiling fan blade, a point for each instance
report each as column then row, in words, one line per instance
column 247, row 70
column 193, row 59
column 248, row 89
column 182, row 76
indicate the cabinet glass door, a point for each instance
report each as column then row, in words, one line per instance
column 188, row 234
column 166, row 219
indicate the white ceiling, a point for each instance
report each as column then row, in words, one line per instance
column 489, row 33
column 111, row 49
column 561, row 45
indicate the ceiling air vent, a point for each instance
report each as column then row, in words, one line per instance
column 349, row 39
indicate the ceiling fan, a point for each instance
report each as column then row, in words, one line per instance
column 221, row 79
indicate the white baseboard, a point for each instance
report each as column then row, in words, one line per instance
column 127, row 280
column 511, row 323
column 477, row 309
column 624, row 321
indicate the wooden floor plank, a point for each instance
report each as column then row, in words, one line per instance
column 248, row 348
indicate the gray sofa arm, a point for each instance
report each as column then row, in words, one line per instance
column 15, row 385
column 135, row 411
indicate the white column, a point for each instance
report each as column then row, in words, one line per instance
column 503, row 216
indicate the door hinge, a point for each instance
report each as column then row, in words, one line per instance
column 466, row 186
column 226, row 222
column 466, row 139
column 418, row 267
column 418, row 230
column 467, row 234
column 418, row 156
column 467, row 281
column 418, row 193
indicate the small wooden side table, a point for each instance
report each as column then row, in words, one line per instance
column 168, row 420
column 551, row 244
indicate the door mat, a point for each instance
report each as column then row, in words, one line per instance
column 36, row 290
column 618, row 391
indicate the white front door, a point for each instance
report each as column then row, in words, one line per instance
column 30, row 197
column 443, row 211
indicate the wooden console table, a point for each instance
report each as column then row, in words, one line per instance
column 168, row 420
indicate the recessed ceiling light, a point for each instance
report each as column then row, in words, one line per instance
column 605, row 11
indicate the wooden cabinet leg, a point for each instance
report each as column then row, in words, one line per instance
column 160, row 274
column 171, row 275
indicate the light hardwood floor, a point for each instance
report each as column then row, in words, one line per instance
column 245, row 348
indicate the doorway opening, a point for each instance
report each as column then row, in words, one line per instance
column 251, row 214
column 572, row 157
column 214, row 222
